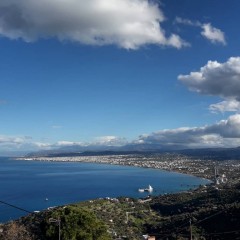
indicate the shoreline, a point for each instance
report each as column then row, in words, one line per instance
column 220, row 174
column 165, row 209
column 158, row 212
column 142, row 164
column 182, row 166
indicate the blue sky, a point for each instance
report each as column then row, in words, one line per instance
column 116, row 72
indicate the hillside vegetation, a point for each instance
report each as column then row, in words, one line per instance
column 214, row 214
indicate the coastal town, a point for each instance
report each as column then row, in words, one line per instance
column 204, row 168
column 194, row 214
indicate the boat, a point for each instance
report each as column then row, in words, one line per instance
column 149, row 189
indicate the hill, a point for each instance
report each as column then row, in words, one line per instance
column 203, row 153
column 213, row 214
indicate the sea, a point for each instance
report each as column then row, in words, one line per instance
column 27, row 186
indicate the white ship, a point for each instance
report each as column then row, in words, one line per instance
column 149, row 189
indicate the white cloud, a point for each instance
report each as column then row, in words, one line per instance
column 99, row 141
column 110, row 141
column 213, row 34
column 187, row 22
column 49, row 146
column 26, row 143
column 225, row 106
column 68, row 143
column 126, row 23
column 219, row 79
column 12, row 143
column 42, row 145
column 11, row 140
column 176, row 41
column 225, row 133
column 229, row 128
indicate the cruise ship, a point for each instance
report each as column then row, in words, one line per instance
column 149, row 189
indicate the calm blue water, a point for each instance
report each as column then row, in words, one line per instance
column 27, row 184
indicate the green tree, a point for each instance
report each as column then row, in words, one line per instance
column 76, row 224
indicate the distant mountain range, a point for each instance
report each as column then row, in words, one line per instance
column 203, row 153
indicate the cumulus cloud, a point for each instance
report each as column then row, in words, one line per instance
column 225, row 106
column 225, row 133
column 126, row 23
column 103, row 141
column 219, row 79
column 12, row 143
column 68, row 143
column 188, row 22
column 42, row 145
column 214, row 35
column 12, row 140
column 229, row 128
column 110, row 141
column 50, row 146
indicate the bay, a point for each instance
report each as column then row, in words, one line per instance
column 37, row 185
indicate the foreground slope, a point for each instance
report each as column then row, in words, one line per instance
column 214, row 214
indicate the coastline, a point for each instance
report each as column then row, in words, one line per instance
column 162, row 210
column 162, row 214
column 217, row 173
column 129, row 191
column 197, row 168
